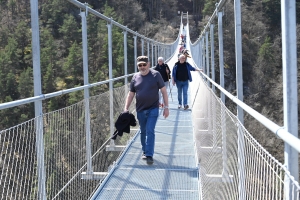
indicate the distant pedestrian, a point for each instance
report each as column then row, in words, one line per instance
column 165, row 72
column 181, row 48
column 181, row 75
column 145, row 85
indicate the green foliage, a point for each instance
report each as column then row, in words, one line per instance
column 75, row 97
column 266, row 62
column 72, row 68
column 11, row 4
column 48, row 61
column 61, row 43
column 8, row 117
column 25, row 86
column 52, row 15
column 209, row 7
column 9, row 57
column 272, row 12
column 248, row 2
column 11, row 86
column 22, row 36
column 69, row 31
column 266, row 52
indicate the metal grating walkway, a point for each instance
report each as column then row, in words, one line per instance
column 174, row 174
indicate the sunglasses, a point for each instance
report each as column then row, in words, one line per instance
column 144, row 64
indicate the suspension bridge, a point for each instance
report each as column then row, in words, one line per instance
column 204, row 152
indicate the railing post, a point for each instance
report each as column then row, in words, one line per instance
column 155, row 55
column 207, row 56
column 142, row 40
column 111, row 87
column 221, row 53
column 212, row 52
column 148, row 50
column 223, row 122
column 203, row 55
column 200, row 54
column 86, row 91
column 38, row 104
column 135, row 52
column 125, row 61
column 239, row 86
column 208, row 107
column 164, row 49
column 290, row 99
column 241, row 163
column 160, row 51
column 213, row 102
column 238, row 57
column 152, row 54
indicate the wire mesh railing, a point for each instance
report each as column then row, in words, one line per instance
column 217, row 136
column 18, row 162
column 64, row 152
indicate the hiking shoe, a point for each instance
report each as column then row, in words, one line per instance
column 144, row 157
column 186, row 107
column 150, row 160
column 179, row 106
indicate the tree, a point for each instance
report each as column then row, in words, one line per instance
column 72, row 68
column 9, row 117
column 209, row 7
column 22, row 37
column 51, row 15
column 11, row 86
column 48, row 61
column 272, row 12
column 11, row 4
column 25, row 86
column 10, row 54
column 265, row 51
column 69, row 31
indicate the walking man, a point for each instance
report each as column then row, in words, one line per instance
column 181, row 75
column 165, row 72
column 145, row 85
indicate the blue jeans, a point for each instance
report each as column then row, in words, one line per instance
column 147, row 120
column 182, row 88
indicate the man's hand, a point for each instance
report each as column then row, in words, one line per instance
column 166, row 103
column 166, row 112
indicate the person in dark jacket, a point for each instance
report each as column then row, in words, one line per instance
column 165, row 72
column 181, row 75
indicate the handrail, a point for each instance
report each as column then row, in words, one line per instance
column 58, row 93
column 219, row 6
column 110, row 20
column 278, row 130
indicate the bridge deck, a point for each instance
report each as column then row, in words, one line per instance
column 174, row 174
